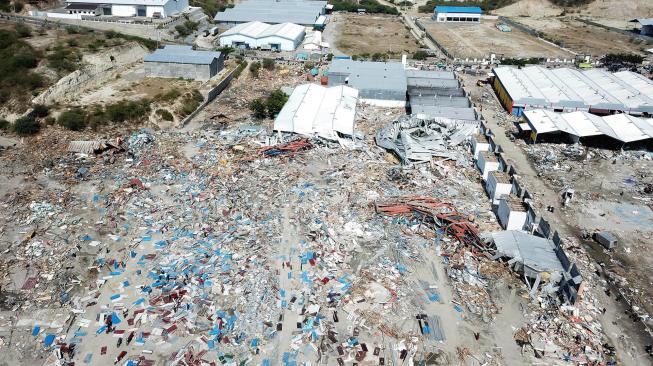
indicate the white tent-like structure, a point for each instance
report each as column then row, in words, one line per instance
column 621, row 127
column 315, row 110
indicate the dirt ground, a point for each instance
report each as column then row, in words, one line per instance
column 361, row 34
column 583, row 38
column 481, row 40
column 599, row 178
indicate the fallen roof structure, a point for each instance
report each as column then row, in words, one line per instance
column 316, row 110
column 571, row 90
column 528, row 253
column 621, row 127
column 418, row 138
column 304, row 12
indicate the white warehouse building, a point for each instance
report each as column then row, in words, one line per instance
column 131, row 8
column 278, row 37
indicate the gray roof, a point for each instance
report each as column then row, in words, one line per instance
column 428, row 74
column 182, row 55
column 371, row 75
column 441, row 101
column 303, row 12
column 534, row 252
column 457, row 113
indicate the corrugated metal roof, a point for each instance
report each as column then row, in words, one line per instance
column 182, row 55
column 536, row 253
column 122, row 2
column 315, row 110
column 647, row 21
column 371, row 75
column 458, row 9
column 564, row 87
column 621, row 127
column 303, row 12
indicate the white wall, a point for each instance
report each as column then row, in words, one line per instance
column 286, row 44
column 486, row 166
column 477, row 147
column 495, row 189
column 442, row 17
column 150, row 10
column 511, row 220
column 123, row 10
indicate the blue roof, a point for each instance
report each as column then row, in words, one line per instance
column 458, row 9
column 182, row 55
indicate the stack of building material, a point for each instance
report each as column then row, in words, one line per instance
column 419, row 138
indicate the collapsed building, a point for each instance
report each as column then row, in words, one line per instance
column 420, row 138
column 621, row 129
column 333, row 117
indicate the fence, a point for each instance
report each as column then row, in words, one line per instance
column 211, row 95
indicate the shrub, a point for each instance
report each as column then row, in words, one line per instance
column 4, row 96
column 4, row 125
column 226, row 50
column 239, row 69
column 72, row 30
column 73, row 119
column 191, row 102
column 23, row 31
column 254, row 68
column 26, row 126
column 420, row 55
column 168, row 96
column 64, row 59
column 40, row 111
column 127, row 110
column 164, row 114
column 268, row 63
column 49, row 121
column 275, row 102
column 258, row 107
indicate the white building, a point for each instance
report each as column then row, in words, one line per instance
column 479, row 143
column 278, row 37
column 487, row 162
column 512, row 213
column 130, row 8
column 457, row 14
column 497, row 185
column 316, row 110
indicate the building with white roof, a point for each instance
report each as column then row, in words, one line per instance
column 278, row 37
column 316, row 110
column 303, row 12
column 576, row 125
column 567, row 90
column 131, row 8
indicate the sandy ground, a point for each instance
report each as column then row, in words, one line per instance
column 583, row 38
column 632, row 224
column 359, row 34
column 482, row 40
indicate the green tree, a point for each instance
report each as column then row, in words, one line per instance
column 26, row 126
column 275, row 102
column 73, row 119
column 254, row 68
column 40, row 110
column 23, row 30
column 268, row 63
column 258, row 107
column 420, row 55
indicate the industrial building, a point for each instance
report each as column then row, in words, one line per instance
column 315, row 110
column 303, row 12
column 438, row 94
column 277, row 37
column 176, row 61
column 469, row 14
column 378, row 83
column 567, row 90
column 647, row 26
column 623, row 128
column 127, row 8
